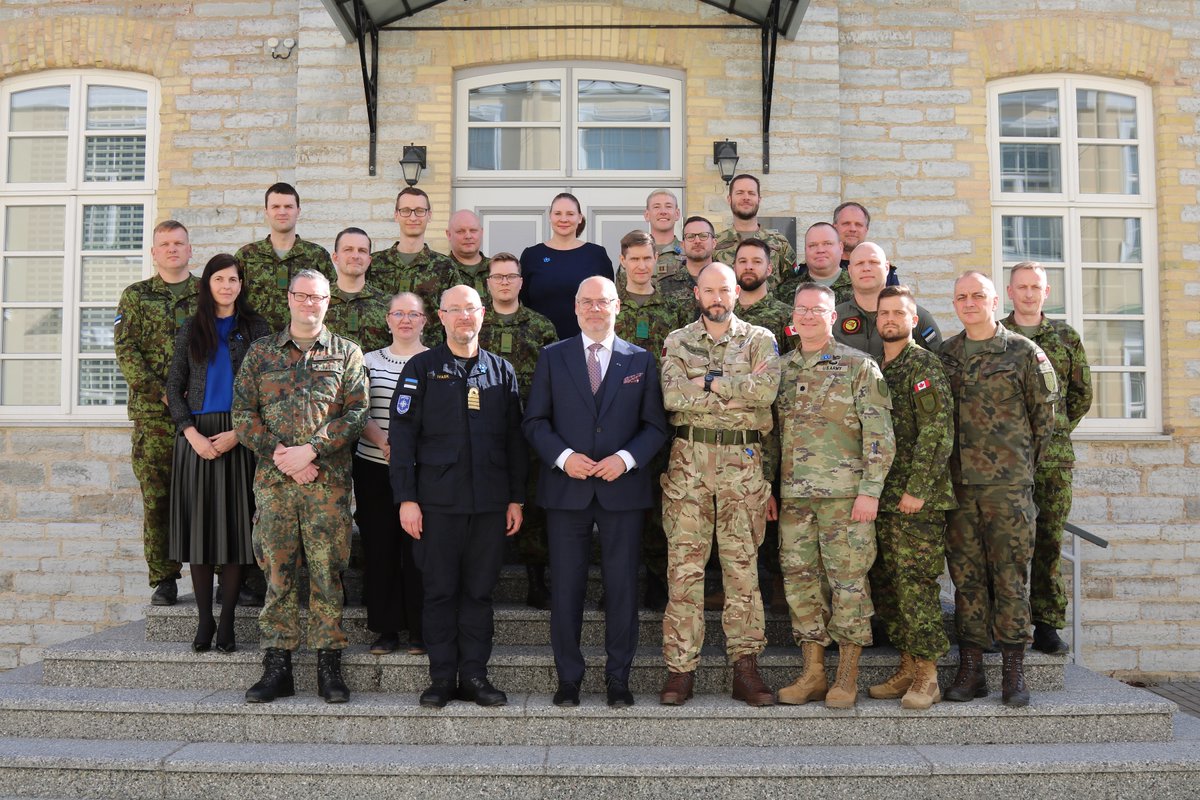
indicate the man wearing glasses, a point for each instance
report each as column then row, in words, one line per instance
column 357, row 310
column 517, row 334
column 300, row 403
column 699, row 239
column 458, row 477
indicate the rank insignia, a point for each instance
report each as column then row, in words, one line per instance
column 643, row 328
column 851, row 324
column 506, row 343
column 403, row 403
column 473, row 398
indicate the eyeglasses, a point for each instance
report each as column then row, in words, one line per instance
column 305, row 297
column 816, row 311
column 603, row 304
column 698, row 237
column 461, row 311
column 413, row 315
column 505, row 278
column 412, row 212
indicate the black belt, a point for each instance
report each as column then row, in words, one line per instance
column 708, row 436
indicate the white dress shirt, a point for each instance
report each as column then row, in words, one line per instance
column 604, row 356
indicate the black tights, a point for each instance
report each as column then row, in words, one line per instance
column 202, row 585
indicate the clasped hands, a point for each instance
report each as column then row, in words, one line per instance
column 580, row 467
column 296, row 462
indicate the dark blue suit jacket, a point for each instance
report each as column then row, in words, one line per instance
column 563, row 413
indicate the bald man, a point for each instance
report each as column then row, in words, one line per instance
column 465, row 235
column 855, row 325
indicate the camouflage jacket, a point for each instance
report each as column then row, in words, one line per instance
column 790, row 281
column 144, row 330
column 783, row 255
column 923, row 421
column 1062, row 345
column 681, row 286
column 835, row 421
column 284, row 395
column 362, row 320
column 649, row 323
column 518, row 339
column 427, row 276
column 670, row 257
column 268, row 276
column 1004, row 400
column 776, row 317
column 856, row 328
column 473, row 275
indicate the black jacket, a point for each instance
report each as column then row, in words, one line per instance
column 187, row 377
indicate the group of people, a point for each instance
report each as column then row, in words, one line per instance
column 709, row 389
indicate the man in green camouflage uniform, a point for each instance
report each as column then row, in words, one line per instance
column 149, row 315
column 1028, row 289
column 357, row 310
column 911, row 528
column 409, row 265
column 645, row 319
column 269, row 265
column 300, row 403
column 699, row 239
column 744, row 201
column 662, row 212
column 465, row 234
column 1004, row 394
column 822, row 264
column 720, row 375
column 517, row 334
column 837, row 442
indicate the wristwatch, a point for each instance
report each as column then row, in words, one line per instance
column 708, row 379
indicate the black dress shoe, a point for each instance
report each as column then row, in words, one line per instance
column 619, row 695
column 567, row 694
column 205, row 630
column 480, row 691
column 386, row 643
column 439, row 693
column 166, row 593
column 226, row 647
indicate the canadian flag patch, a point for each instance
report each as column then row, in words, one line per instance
column 790, row 330
column 922, row 386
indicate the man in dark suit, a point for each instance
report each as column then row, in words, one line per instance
column 595, row 418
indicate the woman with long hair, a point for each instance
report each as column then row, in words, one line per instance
column 212, row 502
column 554, row 269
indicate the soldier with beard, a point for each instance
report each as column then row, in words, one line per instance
column 744, row 198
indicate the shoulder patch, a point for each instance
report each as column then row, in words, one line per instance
column 403, row 403
column 922, row 386
column 851, row 325
column 117, row 320
column 790, row 330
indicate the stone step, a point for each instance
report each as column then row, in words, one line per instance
column 121, row 657
column 1091, row 709
column 133, row 769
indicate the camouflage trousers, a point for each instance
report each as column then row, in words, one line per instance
column 312, row 520
column 989, row 539
column 1047, row 592
column 709, row 485
column 904, row 582
column 817, row 536
column 532, row 546
column 152, row 446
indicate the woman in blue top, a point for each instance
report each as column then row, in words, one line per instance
column 212, row 502
column 553, row 270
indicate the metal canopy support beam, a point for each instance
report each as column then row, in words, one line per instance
column 365, row 27
column 770, row 44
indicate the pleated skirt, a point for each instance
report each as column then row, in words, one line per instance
column 212, row 502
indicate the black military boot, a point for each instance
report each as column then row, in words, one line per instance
column 538, row 595
column 1013, row 677
column 329, row 677
column 276, row 680
column 970, row 682
column 1046, row 639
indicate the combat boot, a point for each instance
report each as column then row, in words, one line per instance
column 1012, row 681
column 748, row 685
column 844, row 692
column 812, row 684
column 276, row 680
column 969, row 682
column 329, row 677
column 678, row 688
column 924, row 691
column 898, row 683
column 1046, row 639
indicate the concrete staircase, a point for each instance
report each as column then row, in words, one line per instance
column 133, row 713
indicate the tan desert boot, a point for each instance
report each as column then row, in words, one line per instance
column 844, row 692
column 895, row 686
column 812, row 684
column 924, row 691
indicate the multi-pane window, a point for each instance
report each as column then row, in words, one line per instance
column 1072, row 188
column 76, row 197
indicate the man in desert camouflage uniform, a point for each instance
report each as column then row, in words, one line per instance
column 822, row 264
column 837, row 442
column 357, row 310
column 662, row 212
column 300, row 403
column 517, row 334
column 148, row 317
column 1004, row 394
column 720, row 375
column 270, row 264
column 1028, row 289
column 744, row 201
column 911, row 528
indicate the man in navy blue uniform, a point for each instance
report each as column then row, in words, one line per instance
column 595, row 419
column 458, row 477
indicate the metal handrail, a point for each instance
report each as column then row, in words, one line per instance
column 1075, row 556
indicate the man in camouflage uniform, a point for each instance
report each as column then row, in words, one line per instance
column 517, row 334
column 645, row 319
column 662, row 212
column 465, row 234
column 357, row 310
column 822, row 264
column 720, row 375
column 1028, row 290
column 269, row 265
column 856, row 317
column 853, row 223
column 300, row 403
column 1004, row 394
column 744, row 201
column 911, row 528
column 699, row 239
column 837, row 442
column 148, row 317
column 409, row 265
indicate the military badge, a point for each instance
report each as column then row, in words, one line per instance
column 506, row 342
column 403, row 403
column 473, row 398
column 851, row 325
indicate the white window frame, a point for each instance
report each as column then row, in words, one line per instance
column 1072, row 206
column 74, row 194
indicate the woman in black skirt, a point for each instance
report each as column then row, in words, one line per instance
column 212, row 502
